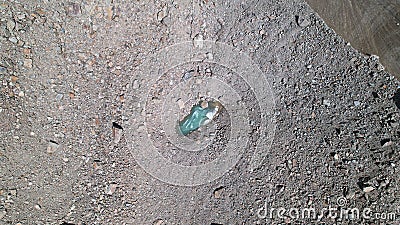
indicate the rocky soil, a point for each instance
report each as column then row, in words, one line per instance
column 70, row 87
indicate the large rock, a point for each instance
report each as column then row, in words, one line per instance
column 371, row 26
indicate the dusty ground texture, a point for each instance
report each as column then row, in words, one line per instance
column 66, row 69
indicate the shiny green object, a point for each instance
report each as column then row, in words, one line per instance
column 200, row 115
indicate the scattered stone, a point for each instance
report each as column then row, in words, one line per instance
column 3, row 70
column 356, row 103
column 388, row 143
column 326, row 102
column 368, row 189
column 37, row 207
column 110, row 12
column 13, row 40
column 158, row 222
column 21, row 94
column 117, row 132
column 59, row 97
column 20, row 43
column 13, row 192
column 2, row 214
column 14, row 79
column 52, row 147
column 187, row 75
column 73, row 9
column 336, row 157
column 204, row 104
column 21, row 16
column 198, row 41
column 27, row 52
column 302, row 21
column 162, row 14
column 181, row 103
column 380, row 67
column 66, row 223
column 218, row 192
column 141, row 127
column 96, row 166
column 209, row 56
column 313, row 115
column 136, row 84
column 28, row 63
column 111, row 189
column 10, row 25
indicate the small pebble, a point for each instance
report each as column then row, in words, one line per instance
column 336, row 157
column 218, row 192
column 181, row 103
column 158, row 222
column 117, row 134
column 188, row 75
column 52, row 147
column 2, row 214
column 210, row 56
column 204, row 104
column 10, row 25
column 135, row 84
column 368, row 189
column 162, row 14
column 198, row 41
column 111, row 189
column 59, row 97
column 303, row 22
column 28, row 63
column 326, row 102
column 380, row 67
column 356, row 103
column 13, row 192
column 13, row 40
column 3, row 70
column 14, row 79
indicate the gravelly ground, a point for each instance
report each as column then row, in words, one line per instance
column 67, row 70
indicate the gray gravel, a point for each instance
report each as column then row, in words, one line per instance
column 67, row 70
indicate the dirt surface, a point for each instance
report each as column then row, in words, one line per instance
column 85, row 99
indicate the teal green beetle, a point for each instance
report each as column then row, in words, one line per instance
column 200, row 115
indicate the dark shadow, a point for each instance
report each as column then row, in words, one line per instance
column 396, row 98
